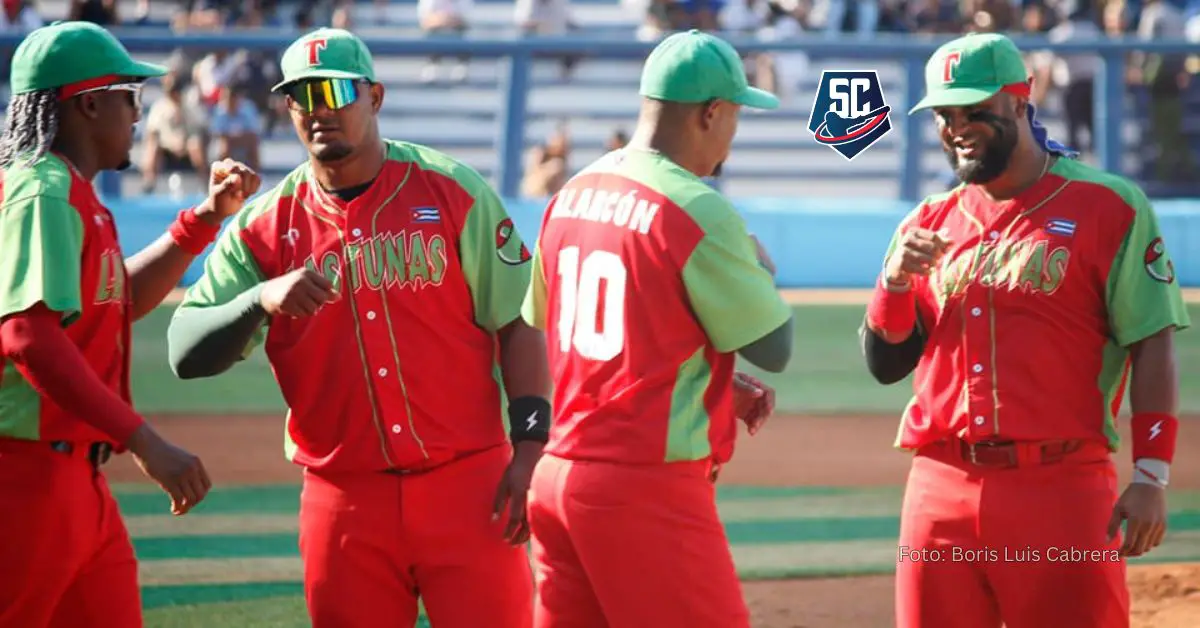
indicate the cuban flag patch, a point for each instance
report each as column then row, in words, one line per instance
column 1060, row 226
column 426, row 214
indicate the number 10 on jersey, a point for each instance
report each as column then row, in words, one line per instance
column 595, row 329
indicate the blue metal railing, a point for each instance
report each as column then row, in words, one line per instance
column 912, row 50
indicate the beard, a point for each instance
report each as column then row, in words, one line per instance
column 996, row 153
column 331, row 152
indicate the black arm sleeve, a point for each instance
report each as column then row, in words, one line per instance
column 207, row 341
column 887, row 362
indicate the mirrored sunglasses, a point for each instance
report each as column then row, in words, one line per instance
column 134, row 89
column 331, row 93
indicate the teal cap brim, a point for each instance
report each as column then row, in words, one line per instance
column 143, row 70
column 757, row 99
column 955, row 97
column 318, row 74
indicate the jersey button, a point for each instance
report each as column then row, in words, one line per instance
column 976, row 311
column 396, row 429
column 356, row 233
column 993, row 235
column 382, row 372
column 978, row 368
column 370, row 316
column 979, row 420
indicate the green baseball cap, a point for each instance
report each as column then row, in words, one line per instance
column 971, row 69
column 69, row 52
column 693, row 67
column 326, row 53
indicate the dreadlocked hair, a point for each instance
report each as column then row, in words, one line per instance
column 30, row 127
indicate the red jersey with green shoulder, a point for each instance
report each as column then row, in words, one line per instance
column 59, row 246
column 401, row 372
column 1031, row 313
column 646, row 280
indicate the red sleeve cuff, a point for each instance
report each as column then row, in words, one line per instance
column 892, row 312
column 53, row 366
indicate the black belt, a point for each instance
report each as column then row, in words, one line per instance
column 97, row 454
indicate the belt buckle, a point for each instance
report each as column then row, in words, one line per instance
column 972, row 448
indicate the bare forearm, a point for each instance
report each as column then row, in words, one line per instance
column 1154, row 385
column 523, row 361
column 154, row 271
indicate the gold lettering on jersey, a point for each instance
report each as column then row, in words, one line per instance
column 1028, row 265
column 621, row 209
column 110, row 281
column 385, row 261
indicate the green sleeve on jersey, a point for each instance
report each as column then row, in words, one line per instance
column 41, row 238
column 229, row 270
column 1143, row 292
column 734, row 297
column 494, row 258
column 534, row 308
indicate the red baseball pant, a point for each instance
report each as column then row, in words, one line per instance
column 373, row 543
column 67, row 558
column 1025, row 546
column 625, row 546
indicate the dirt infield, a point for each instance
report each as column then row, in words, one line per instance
column 792, row 451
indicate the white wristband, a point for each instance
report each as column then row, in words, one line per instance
column 1151, row 471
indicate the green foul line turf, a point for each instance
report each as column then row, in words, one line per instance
column 170, row 595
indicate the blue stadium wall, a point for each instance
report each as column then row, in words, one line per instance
column 816, row 243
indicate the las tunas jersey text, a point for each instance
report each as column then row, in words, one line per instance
column 401, row 371
column 1031, row 312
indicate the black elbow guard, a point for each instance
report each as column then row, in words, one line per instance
column 889, row 363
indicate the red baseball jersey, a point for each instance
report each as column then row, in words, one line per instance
column 402, row 371
column 1031, row 313
column 646, row 281
column 59, row 246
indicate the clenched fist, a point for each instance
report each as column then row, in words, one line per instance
column 918, row 252
column 299, row 293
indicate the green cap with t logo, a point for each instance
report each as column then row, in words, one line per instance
column 694, row 67
column 65, row 53
column 971, row 69
column 326, row 53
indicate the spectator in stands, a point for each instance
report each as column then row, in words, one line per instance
column 102, row 12
column 546, row 17
column 1165, row 80
column 18, row 16
column 444, row 18
column 236, row 127
column 213, row 72
column 832, row 15
column 1072, row 75
column 617, row 140
column 175, row 137
column 546, row 167
column 204, row 15
column 1001, row 14
column 933, row 16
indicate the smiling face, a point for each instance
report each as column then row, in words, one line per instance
column 979, row 140
column 334, row 117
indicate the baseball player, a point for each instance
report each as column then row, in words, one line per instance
column 648, row 286
column 384, row 279
column 1023, row 298
column 67, row 300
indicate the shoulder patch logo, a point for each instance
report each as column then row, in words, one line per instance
column 849, row 113
column 315, row 46
column 1158, row 264
column 509, row 247
column 1060, row 226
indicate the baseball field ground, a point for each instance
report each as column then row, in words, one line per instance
column 811, row 504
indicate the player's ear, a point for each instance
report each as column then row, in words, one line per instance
column 88, row 105
column 376, row 97
column 709, row 111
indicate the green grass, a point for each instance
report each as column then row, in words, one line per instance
column 826, row 376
